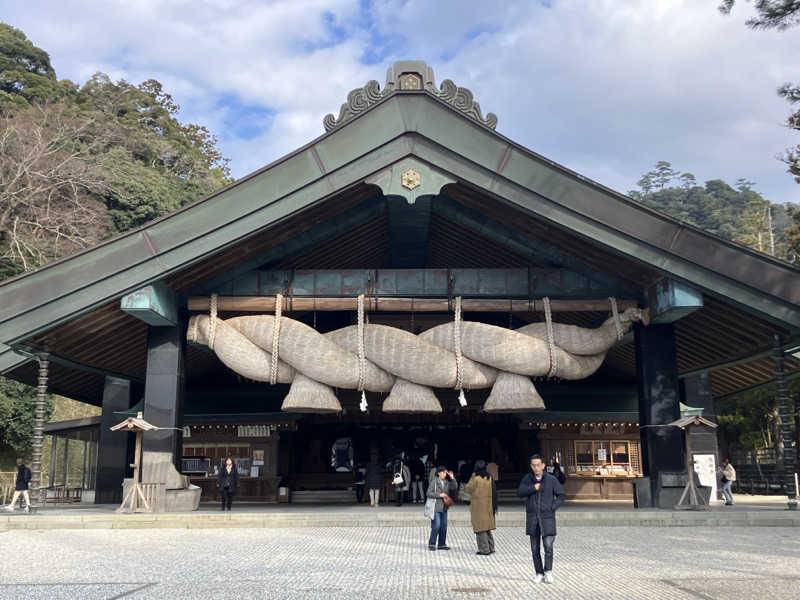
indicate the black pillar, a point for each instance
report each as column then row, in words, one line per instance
column 163, row 403
column 696, row 392
column 659, row 402
column 113, row 445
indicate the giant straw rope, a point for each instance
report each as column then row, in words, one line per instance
column 378, row 358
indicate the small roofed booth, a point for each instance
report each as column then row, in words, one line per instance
column 72, row 472
column 412, row 284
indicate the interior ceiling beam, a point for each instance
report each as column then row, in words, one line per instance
column 298, row 244
column 32, row 352
column 524, row 244
column 383, row 304
column 742, row 359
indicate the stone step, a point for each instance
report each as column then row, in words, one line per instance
column 322, row 497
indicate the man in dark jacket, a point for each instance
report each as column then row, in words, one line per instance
column 544, row 495
column 21, row 486
column 227, row 482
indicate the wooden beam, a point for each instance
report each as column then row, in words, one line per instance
column 382, row 304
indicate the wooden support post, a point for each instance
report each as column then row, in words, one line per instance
column 391, row 304
column 690, row 493
column 38, row 427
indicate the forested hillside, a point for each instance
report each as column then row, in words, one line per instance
column 80, row 162
column 737, row 213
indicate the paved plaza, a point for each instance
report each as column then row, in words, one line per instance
column 370, row 562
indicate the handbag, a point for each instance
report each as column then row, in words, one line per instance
column 398, row 477
column 430, row 508
column 447, row 501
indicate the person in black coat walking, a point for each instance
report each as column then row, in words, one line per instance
column 21, row 486
column 544, row 495
column 227, row 482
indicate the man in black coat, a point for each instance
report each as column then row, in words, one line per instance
column 227, row 482
column 21, row 486
column 544, row 495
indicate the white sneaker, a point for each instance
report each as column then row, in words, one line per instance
column 548, row 577
column 538, row 579
column 8, row 507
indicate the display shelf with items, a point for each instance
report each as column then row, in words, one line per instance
column 605, row 458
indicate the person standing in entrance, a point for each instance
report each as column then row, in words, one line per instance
column 227, row 482
column 441, row 488
column 374, row 480
column 482, row 507
column 544, row 495
column 21, row 486
column 728, row 477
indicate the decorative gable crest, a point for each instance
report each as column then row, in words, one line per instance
column 409, row 75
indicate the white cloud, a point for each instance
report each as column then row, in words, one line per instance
column 604, row 87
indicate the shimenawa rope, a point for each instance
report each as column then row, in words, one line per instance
column 276, row 337
column 551, row 343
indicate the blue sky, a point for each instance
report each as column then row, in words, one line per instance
column 606, row 88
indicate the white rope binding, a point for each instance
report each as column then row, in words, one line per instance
column 212, row 323
column 462, row 400
column 362, row 358
column 276, row 337
column 617, row 321
column 551, row 342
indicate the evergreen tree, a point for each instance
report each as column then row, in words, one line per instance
column 26, row 75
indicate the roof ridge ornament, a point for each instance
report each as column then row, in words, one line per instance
column 408, row 75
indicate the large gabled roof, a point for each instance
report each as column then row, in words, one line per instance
column 442, row 131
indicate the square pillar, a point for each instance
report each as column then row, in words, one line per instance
column 163, row 405
column 113, row 445
column 659, row 403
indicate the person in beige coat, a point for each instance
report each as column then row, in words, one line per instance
column 482, row 507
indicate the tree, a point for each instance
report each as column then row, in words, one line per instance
column 739, row 214
column 772, row 14
column 792, row 156
column 780, row 15
column 51, row 186
column 26, row 74
column 17, row 404
column 663, row 174
column 793, row 232
column 688, row 181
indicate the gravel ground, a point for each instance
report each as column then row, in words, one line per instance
column 368, row 562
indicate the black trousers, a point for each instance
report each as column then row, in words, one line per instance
column 398, row 495
column 226, row 497
column 359, row 493
column 547, row 542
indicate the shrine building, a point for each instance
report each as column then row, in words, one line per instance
column 411, row 283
